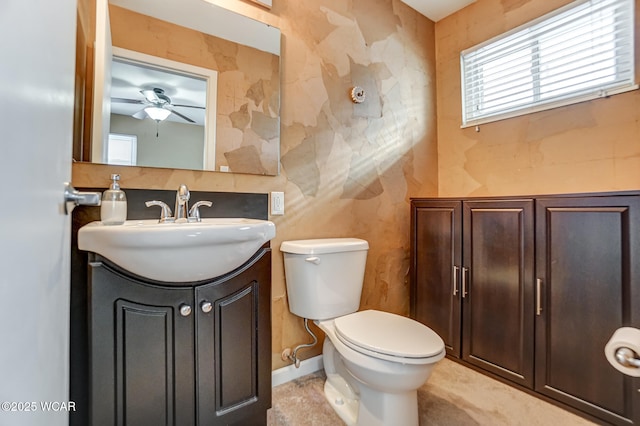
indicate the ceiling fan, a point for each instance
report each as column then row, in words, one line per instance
column 158, row 106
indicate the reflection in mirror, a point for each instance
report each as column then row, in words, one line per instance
column 183, row 136
column 245, row 56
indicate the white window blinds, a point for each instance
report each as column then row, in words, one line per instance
column 579, row 52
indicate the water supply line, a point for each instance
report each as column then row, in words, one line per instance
column 293, row 356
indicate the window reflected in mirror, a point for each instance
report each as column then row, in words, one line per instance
column 122, row 150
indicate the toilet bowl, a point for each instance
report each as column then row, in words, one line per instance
column 384, row 368
column 374, row 361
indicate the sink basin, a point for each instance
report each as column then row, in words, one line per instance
column 178, row 252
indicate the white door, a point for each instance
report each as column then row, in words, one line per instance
column 37, row 55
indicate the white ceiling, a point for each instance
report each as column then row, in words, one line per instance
column 209, row 18
column 437, row 9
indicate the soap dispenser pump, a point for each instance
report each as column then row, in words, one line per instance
column 113, row 210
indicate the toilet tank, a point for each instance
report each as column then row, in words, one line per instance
column 324, row 276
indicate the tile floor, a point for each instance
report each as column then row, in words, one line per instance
column 454, row 395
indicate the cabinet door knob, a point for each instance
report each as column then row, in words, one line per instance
column 185, row 310
column 206, row 306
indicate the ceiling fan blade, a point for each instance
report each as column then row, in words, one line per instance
column 151, row 96
column 127, row 101
column 140, row 115
column 188, row 106
column 184, row 117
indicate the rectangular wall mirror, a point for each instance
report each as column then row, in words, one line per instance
column 213, row 76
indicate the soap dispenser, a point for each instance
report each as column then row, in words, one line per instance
column 113, row 210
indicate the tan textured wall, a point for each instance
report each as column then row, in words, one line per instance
column 347, row 170
column 591, row 146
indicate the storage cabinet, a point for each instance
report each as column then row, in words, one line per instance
column 588, row 267
column 472, row 280
column 180, row 355
column 498, row 260
column 509, row 281
column 436, row 258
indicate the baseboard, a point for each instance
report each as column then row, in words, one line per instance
column 290, row 372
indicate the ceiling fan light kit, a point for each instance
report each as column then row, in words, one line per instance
column 157, row 113
column 159, row 106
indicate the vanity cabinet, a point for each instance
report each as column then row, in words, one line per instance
column 531, row 290
column 180, row 355
column 472, row 280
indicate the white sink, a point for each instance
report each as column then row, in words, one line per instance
column 178, row 252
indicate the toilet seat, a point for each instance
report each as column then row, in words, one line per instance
column 389, row 336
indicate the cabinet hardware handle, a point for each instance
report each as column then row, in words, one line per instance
column 206, row 306
column 185, row 310
column 455, row 280
column 464, row 281
column 538, row 297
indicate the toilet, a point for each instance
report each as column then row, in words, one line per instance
column 374, row 361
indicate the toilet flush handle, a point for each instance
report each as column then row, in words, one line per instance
column 313, row 259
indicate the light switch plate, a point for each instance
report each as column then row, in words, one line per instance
column 277, row 203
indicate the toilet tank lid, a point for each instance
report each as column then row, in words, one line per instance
column 324, row 245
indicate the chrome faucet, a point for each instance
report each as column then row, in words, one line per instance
column 182, row 211
column 182, row 203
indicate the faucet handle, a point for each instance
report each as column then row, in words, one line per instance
column 165, row 213
column 194, row 212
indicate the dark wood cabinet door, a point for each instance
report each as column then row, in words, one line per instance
column 233, row 331
column 588, row 264
column 498, row 276
column 435, row 268
column 141, row 350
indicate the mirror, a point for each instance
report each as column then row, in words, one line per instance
column 158, row 42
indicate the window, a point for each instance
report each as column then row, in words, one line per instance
column 579, row 52
column 122, row 149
